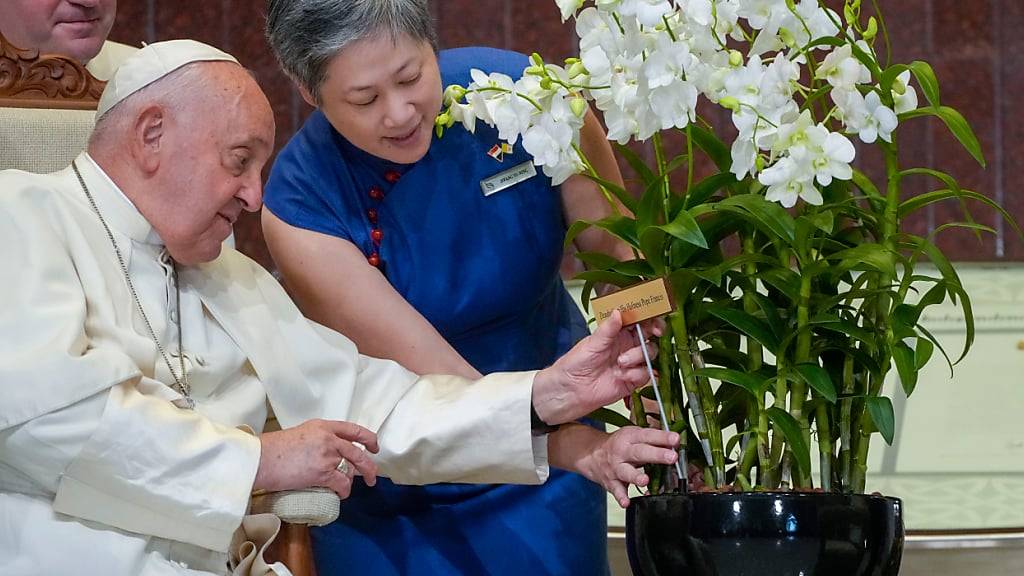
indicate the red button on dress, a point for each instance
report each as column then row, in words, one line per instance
column 377, row 235
column 374, row 260
column 372, row 215
column 392, row 176
column 376, row 193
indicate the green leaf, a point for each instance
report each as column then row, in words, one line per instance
column 676, row 163
column 749, row 382
column 923, row 352
column 638, row 165
column 768, row 216
column 735, row 439
column 619, row 226
column 874, row 256
column 952, row 285
column 609, row 416
column 965, row 306
column 865, row 184
column 917, row 202
column 906, row 366
column 714, row 273
column 748, row 325
column 882, row 414
column 596, row 260
column 574, row 231
column 935, row 342
column 685, row 227
column 615, row 190
column 817, row 378
column 716, row 150
column 976, row 228
column 588, row 291
column 784, row 280
column 607, row 277
column 633, row 268
column 834, row 323
column 652, row 246
column 706, row 188
column 957, row 125
column 651, row 208
column 771, row 313
column 926, row 78
column 794, row 437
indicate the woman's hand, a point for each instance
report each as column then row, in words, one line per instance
column 599, row 370
column 309, row 455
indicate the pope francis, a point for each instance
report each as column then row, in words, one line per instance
column 139, row 360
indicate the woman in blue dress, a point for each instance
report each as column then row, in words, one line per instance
column 384, row 232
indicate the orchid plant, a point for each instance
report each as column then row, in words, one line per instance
column 796, row 289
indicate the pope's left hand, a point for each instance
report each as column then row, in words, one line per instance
column 599, row 370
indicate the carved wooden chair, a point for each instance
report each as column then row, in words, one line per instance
column 47, row 111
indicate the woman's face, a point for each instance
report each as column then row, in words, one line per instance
column 382, row 95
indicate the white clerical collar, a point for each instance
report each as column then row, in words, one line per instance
column 119, row 212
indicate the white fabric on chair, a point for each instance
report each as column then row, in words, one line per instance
column 42, row 140
column 314, row 506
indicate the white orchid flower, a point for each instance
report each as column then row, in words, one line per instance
column 758, row 13
column 674, row 105
column 568, row 7
column 744, row 157
column 829, row 155
column 646, row 12
column 865, row 116
column 667, row 61
column 777, row 84
column 903, row 94
column 464, row 114
column 788, row 181
column 842, row 70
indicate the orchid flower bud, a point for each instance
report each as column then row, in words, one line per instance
column 787, row 37
column 576, row 69
column 872, row 30
column 735, row 58
column 454, row 93
column 578, row 105
column 730, row 102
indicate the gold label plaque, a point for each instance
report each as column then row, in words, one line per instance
column 637, row 303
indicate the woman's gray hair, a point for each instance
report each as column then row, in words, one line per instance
column 306, row 34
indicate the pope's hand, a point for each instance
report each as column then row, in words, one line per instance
column 309, row 455
column 599, row 370
column 618, row 460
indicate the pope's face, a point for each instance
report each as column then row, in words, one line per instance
column 75, row 28
column 214, row 163
column 382, row 95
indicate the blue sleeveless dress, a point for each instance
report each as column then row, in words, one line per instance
column 484, row 271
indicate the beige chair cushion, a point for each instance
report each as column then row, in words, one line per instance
column 42, row 140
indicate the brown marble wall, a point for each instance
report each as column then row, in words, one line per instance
column 972, row 44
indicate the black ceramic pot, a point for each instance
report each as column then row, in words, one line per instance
column 764, row 534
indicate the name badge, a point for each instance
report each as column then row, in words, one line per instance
column 507, row 178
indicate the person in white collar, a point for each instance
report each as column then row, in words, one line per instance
column 135, row 350
column 75, row 28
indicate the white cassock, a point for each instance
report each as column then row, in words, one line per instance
column 101, row 474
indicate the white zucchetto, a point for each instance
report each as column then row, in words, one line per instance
column 152, row 63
